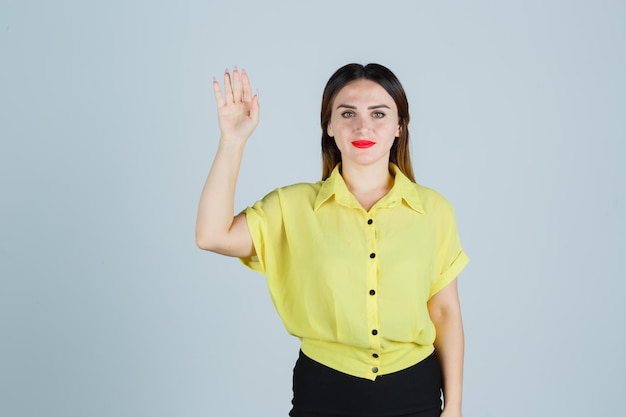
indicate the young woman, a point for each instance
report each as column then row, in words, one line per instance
column 361, row 265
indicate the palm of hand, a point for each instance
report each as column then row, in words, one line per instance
column 237, row 109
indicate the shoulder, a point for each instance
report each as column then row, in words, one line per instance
column 302, row 189
column 286, row 202
column 429, row 194
column 422, row 199
column 294, row 194
column 433, row 201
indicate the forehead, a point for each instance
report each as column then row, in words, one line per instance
column 366, row 91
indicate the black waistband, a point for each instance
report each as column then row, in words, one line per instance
column 322, row 391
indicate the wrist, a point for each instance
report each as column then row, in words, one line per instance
column 232, row 143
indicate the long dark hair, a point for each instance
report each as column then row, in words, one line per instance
column 381, row 75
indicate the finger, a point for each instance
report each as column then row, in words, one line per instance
column 255, row 109
column 217, row 91
column 237, row 95
column 245, row 82
column 228, row 88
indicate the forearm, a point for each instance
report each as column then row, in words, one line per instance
column 216, row 207
column 449, row 345
column 445, row 312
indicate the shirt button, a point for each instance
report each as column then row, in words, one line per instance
column 372, row 255
column 375, row 370
column 372, row 292
column 374, row 332
column 375, row 355
column 370, row 221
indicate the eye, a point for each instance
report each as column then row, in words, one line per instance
column 378, row 114
column 347, row 114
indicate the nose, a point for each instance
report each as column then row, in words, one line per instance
column 362, row 124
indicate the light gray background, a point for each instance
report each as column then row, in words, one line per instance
column 108, row 129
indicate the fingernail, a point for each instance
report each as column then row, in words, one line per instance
column 235, row 68
column 257, row 95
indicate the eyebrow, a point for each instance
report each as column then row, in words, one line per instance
column 378, row 106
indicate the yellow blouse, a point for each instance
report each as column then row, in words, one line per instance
column 353, row 285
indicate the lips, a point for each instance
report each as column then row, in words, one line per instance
column 363, row 144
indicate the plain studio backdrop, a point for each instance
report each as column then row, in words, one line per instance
column 108, row 128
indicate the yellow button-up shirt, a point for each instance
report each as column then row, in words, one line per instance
column 353, row 285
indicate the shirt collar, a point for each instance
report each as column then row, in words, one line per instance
column 403, row 190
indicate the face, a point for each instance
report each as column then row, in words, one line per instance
column 364, row 123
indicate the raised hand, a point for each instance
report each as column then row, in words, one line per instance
column 237, row 108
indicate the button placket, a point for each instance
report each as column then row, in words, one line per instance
column 371, row 295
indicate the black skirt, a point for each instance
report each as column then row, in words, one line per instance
column 320, row 391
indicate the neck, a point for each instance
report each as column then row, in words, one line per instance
column 371, row 179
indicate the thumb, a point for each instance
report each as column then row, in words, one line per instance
column 255, row 108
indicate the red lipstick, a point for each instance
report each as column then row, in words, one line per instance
column 363, row 144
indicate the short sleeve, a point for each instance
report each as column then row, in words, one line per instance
column 264, row 220
column 450, row 257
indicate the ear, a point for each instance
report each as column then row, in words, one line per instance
column 398, row 131
column 329, row 130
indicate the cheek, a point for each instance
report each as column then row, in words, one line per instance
column 339, row 126
column 389, row 129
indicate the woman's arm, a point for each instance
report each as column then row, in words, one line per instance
column 217, row 229
column 445, row 312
